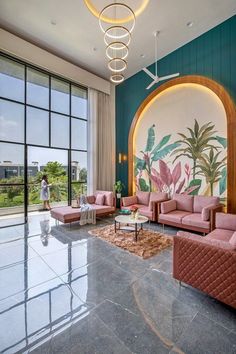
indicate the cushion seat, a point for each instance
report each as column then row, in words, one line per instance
column 68, row 214
column 145, row 211
column 174, row 216
column 195, row 220
column 220, row 234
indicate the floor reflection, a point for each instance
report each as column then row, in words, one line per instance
column 35, row 303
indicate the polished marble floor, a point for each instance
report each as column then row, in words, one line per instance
column 64, row 291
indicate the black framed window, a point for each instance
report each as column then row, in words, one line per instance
column 38, row 108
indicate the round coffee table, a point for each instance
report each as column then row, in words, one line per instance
column 130, row 224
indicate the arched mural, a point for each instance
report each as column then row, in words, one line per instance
column 179, row 142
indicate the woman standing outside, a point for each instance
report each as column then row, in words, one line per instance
column 45, row 193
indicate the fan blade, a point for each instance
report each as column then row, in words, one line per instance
column 168, row 77
column 151, row 84
column 149, row 73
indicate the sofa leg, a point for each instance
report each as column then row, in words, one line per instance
column 180, row 283
column 163, row 228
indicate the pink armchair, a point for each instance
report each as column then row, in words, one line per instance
column 146, row 202
column 209, row 263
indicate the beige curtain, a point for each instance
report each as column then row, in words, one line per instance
column 106, row 143
column 101, row 138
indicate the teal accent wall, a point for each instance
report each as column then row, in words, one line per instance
column 213, row 55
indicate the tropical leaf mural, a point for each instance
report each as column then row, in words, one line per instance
column 159, row 168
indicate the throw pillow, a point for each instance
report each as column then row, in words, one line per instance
column 100, row 198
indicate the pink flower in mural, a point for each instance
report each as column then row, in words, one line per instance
column 165, row 173
column 176, row 174
column 156, row 179
column 187, row 171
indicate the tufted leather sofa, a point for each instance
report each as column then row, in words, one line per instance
column 209, row 263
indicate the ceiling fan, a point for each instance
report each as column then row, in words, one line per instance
column 155, row 77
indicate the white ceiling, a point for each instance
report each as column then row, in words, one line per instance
column 77, row 32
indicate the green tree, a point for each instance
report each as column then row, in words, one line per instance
column 197, row 143
column 83, row 175
column 54, row 169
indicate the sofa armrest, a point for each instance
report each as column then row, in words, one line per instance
column 168, row 206
column 127, row 201
column 206, row 266
column 155, row 206
column 213, row 211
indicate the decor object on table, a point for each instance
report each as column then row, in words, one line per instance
column 145, row 202
column 149, row 242
column 190, row 212
column 75, row 203
column 155, row 77
column 209, row 263
column 133, row 210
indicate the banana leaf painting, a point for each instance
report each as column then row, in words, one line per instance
column 194, row 164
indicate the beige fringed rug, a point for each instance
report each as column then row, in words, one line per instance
column 149, row 242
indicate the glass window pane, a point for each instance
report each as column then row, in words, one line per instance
column 11, row 163
column 60, row 96
column 11, row 121
column 79, row 102
column 11, row 205
column 37, row 126
column 78, row 173
column 37, row 88
column 53, row 163
column 78, row 134
column 79, row 166
column 11, row 79
column 60, row 130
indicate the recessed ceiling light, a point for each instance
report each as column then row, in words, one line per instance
column 53, row 22
column 142, row 55
column 189, row 24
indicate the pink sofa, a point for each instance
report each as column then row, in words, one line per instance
column 146, row 202
column 209, row 263
column 190, row 212
column 68, row 214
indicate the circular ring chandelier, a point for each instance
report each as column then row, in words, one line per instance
column 117, row 36
column 117, row 78
column 96, row 12
column 117, row 5
column 117, row 65
column 117, row 50
column 116, row 33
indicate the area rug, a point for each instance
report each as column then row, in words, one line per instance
column 149, row 242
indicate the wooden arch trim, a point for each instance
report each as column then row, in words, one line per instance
column 230, row 110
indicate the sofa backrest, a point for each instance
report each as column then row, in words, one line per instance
column 201, row 201
column 225, row 221
column 184, row 202
column 156, row 196
column 109, row 197
column 143, row 197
